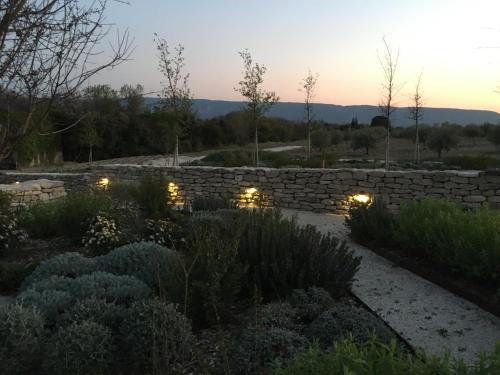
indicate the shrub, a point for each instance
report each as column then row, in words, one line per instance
column 372, row 357
column 10, row 233
column 152, row 197
column 152, row 264
column 283, row 256
column 473, row 162
column 161, row 231
column 441, row 231
column 156, row 338
column 69, row 265
column 21, row 335
column 211, row 271
column 441, row 139
column 13, row 274
column 342, row 320
column 102, row 233
column 258, row 348
column 50, row 303
column 279, row 315
column 108, row 314
column 5, row 202
column 372, row 223
column 80, row 348
column 310, row 303
column 69, row 216
column 113, row 288
column 212, row 203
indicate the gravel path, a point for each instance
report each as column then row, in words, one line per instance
column 426, row 315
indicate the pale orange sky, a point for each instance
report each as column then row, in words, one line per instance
column 454, row 43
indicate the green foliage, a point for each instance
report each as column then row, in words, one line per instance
column 283, row 256
column 153, row 264
column 321, row 138
column 211, row 270
column 70, row 216
column 156, row 338
column 13, row 274
column 373, row 357
column 11, row 236
column 473, row 162
column 102, row 234
column 50, row 303
column 341, row 320
column 310, row 303
column 69, row 265
column 372, row 223
column 466, row 241
column 152, row 197
column 5, row 202
column 441, row 139
column 279, row 315
column 493, row 135
column 259, row 347
column 365, row 138
column 120, row 289
column 80, row 348
column 21, row 335
column 212, row 203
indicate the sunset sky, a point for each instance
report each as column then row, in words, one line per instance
column 456, row 43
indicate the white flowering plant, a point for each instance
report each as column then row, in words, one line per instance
column 102, row 233
column 160, row 231
column 10, row 233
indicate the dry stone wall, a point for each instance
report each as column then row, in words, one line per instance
column 321, row 190
column 29, row 192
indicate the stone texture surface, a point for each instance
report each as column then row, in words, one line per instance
column 424, row 314
column 31, row 191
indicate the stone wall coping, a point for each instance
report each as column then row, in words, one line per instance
column 470, row 173
column 62, row 174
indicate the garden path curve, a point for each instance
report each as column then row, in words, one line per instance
column 424, row 314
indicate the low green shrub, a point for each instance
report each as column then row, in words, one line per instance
column 156, row 338
column 12, row 275
column 69, row 265
column 151, row 196
column 11, row 236
column 153, row 264
column 283, row 256
column 258, row 348
column 373, row 357
column 80, row 348
column 120, row 289
column 310, row 303
column 50, row 303
column 372, row 223
column 278, row 314
column 341, row 320
column 70, row 216
column 212, row 203
column 473, row 162
column 468, row 242
column 21, row 337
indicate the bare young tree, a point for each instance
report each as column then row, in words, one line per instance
column 259, row 100
column 389, row 64
column 176, row 95
column 46, row 53
column 416, row 114
column 308, row 87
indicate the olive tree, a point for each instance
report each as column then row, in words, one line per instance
column 416, row 114
column 259, row 101
column 308, row 87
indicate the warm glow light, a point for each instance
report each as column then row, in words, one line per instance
column 103, row 182
column 250, row 198
column 173, row 192
column 361, row 198
column 17, row 182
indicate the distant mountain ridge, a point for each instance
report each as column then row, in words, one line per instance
column 338, row 114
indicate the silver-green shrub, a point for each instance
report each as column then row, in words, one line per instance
column 278, row 315
column 156, row 337
column 81, row 348
column 50, row 303
column 342, row 320
column 151, row 263
column 310, row 303
column 70, row 265
column 21, row 335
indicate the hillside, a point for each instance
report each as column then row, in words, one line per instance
column 343, row 114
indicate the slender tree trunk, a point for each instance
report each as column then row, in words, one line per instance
column 176, row 152
column 256, row 147
column 417, row 144
column 90, row 155
column 387, row 144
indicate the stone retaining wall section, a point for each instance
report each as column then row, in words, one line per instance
column 319, row 190
column 29, row 192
